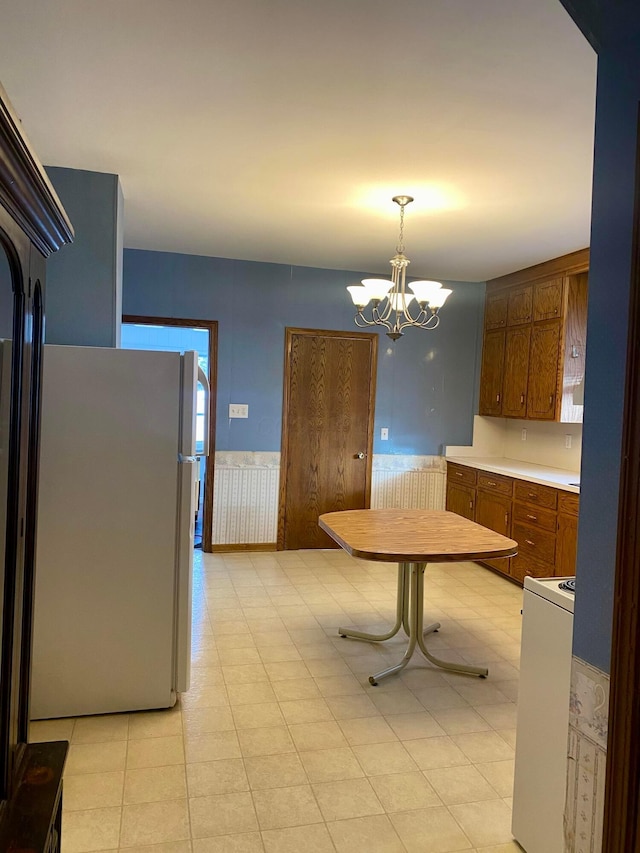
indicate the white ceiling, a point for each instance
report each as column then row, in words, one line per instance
column 278, row 130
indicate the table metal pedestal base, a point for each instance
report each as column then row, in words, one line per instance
column 410, row 616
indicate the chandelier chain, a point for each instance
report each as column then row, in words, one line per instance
column 400, row 246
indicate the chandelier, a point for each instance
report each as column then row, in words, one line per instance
column 391, row 299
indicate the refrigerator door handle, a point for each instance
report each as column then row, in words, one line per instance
column 204, row 381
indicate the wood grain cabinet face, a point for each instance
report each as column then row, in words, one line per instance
column 461, row 499
column 548, row 300
column 544, row 360
column 491, row 373
column 493, row 510
column 516, row 372
column 495, row 315
column 520, row 306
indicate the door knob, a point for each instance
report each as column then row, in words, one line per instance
column 360, row 455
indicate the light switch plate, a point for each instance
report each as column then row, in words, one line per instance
column 238, row 410
column 384, row 434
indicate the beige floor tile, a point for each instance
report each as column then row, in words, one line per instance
column 322, row 668
column 257, row 716
column 499, row 716
column 244, row 842
column 346, row 799
column 310, row 839
column 154, row 823
column 508, row 736
column 284, row 670
column 236, row 641
column 414, row 726
column 400, row 701
column 44, row 730
column 456, row 721
column 432, row 830
column 272, row 740
column 100, row 729
column 331, row 765
column 481, row 747
column 306, row 711
column 485, row 823
column 152, row 784
column 206, row 697
column 440, row 698
column 339, row 685
column 352, row 707
column 296, row 688
column 367, row 730
column 95, row 829
column 279, row 654
column 250, row 673
column 278, row 808
column 371, row 834
column 499, row 774
column 482, row 692
column 206, row 676
column 237, row 657
column 235, row 626
column 275, row 771
column 96, row 757
column 435, row 752
column 197, row 721
column 225, row 776
column 460, row 784
column 93, row 790
column 146, row 724
column 211, row 746
column 380, row 758
column 222, row 814
column 307, row 736
column 402, row 792
column 511, row 847
column 167, row 847
column 250, row 694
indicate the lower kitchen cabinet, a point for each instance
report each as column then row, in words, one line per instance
column 543, row 520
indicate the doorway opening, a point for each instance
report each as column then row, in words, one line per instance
column 169, row 334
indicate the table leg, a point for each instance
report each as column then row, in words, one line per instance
column 402, row 611
column 417, row 631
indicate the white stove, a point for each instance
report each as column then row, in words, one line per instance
column 543, row 715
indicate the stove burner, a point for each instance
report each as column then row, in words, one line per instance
column 568, row 586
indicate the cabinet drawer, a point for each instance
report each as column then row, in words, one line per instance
column 547, row 300
column 535, row 543
column 568, row 503
column 461, row 474
column 532, row 493
column 495, row 483
column 534, row 517
column 520, row 306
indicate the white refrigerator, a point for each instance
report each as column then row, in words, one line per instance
column 114, row 559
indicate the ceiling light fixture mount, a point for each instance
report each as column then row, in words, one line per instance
column 391, row 299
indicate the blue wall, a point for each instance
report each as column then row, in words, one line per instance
column 616, row 31
column 427, row 381
column 84, row 279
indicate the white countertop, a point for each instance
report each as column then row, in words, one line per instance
column 558, row 478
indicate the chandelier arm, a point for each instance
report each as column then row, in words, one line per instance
column 428, row 323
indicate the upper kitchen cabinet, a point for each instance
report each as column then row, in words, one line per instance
column 534, row 341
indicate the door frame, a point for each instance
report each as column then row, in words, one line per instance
column 286, row 400
column 212, row 328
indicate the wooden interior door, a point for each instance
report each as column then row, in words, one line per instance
column 327, row 431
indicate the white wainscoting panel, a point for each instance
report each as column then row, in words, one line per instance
column 245, row 500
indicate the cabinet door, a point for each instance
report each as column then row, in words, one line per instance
column 516, row 372
column 491, row 374
column 544, row 361
column 495, row 314
column 547, row 300
column 494, row 511
column 461, row 500
column 566, row 546
column 520, row 306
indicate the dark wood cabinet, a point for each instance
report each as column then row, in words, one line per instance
column 533, row 361
column 32, row 226
column 543, row 520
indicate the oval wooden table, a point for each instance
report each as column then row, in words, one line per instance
column 412, row 538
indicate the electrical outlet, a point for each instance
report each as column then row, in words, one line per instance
column 523, row 435
column 238, row 410
column 567, row 441
column 384, row 434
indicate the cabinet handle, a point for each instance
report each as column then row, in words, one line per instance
column 459, row 474
column 555, row 310
column 532, row 495
column 491, row 483
column 522, row 399
column 529, row 542
column 506, row 519
column 470, row 504
column 497, row 398
column 551, row 399
column 533, row 517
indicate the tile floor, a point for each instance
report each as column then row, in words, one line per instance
column 281, row 745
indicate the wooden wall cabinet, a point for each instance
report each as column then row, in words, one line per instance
column 543, row 520
column 534, row 341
